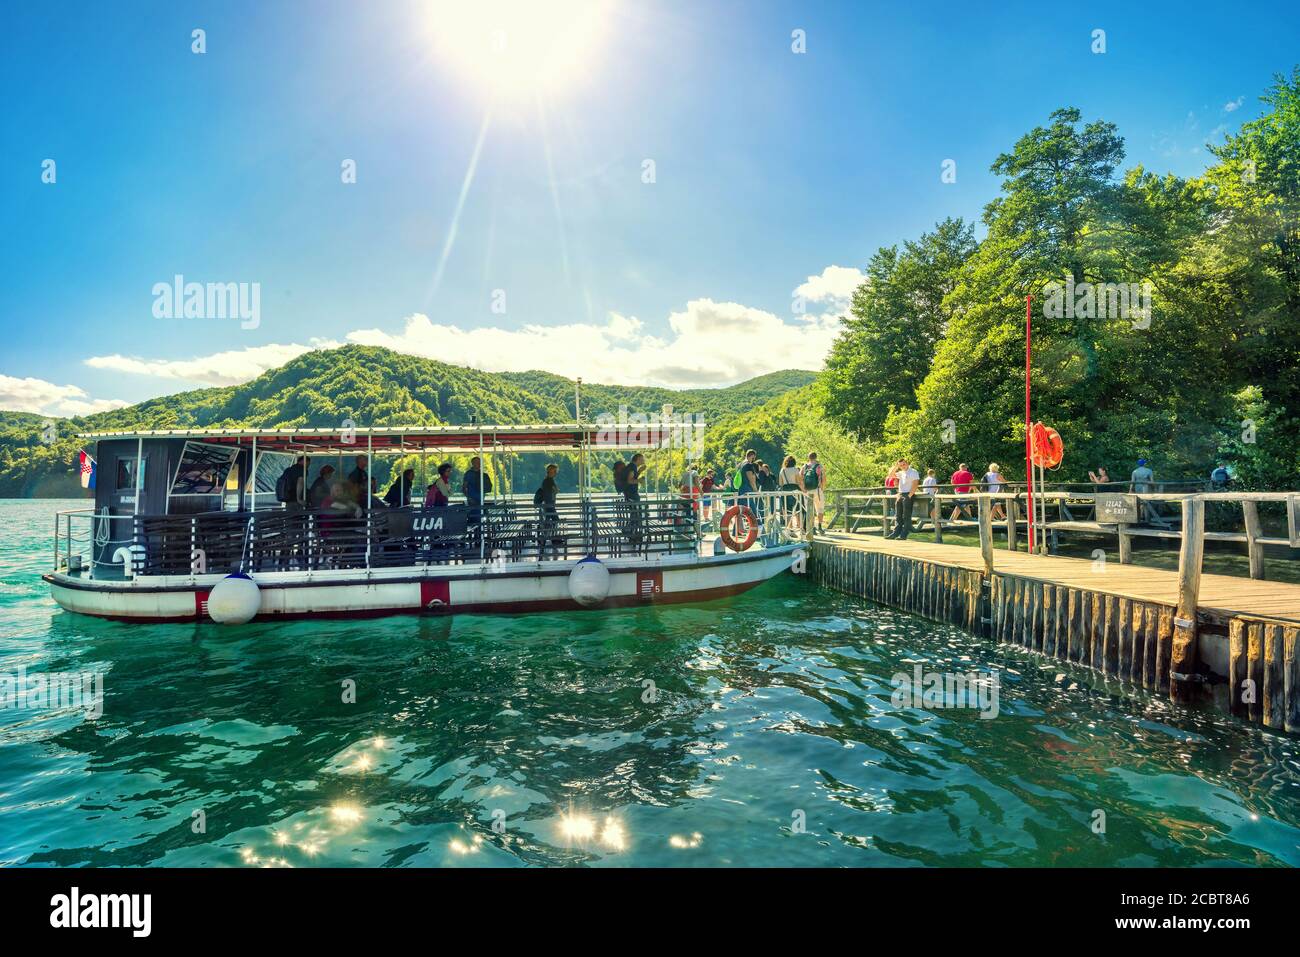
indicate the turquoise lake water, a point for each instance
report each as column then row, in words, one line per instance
column 772, row 740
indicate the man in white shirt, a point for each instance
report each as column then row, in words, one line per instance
column 908, row 480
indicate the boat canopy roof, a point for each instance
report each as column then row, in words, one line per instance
column 403, row 440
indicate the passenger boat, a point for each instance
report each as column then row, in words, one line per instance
column 187, row 526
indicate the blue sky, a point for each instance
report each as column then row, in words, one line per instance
column 776, row 173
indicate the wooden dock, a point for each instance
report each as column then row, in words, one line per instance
column 1237, row 652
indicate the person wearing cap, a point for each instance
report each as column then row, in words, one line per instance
column 1142, row 477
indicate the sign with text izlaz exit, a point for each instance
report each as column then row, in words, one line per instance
column 1117, row 508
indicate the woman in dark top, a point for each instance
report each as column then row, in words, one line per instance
column 632, row 486
column 544, row 497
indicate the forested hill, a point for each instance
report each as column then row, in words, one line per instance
column 364, row 384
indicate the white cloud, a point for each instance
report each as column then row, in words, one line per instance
column 711, row 343
column 1234, row 105
column 221, row 368
column 834, row 286
column 46, row 398
column 707, row 344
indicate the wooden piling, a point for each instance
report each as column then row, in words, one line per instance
column 1182, row 664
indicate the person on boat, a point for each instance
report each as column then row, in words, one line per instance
column 632, row 478
column 1099, row 478
column 907, row 481
column 632, row 493
column 790, row 480
column 360, row 477
column 375, row 500
column 291, row 489
column 399, row 493
column 993, row 482
column 320, row 489
column 814, row 487
column 439, row 493
column 620, row 478
column 476, row 483
column 962, row 480
column 549, row 528
column 1143, row 478
column 706, row 495
column 691, row 490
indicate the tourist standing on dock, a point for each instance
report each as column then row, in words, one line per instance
column 1143, row 478
column 1099, row 478
column 962, row 479
column 930, row 485
column 814, row 488
column 1219, row 478
column 993, row 482
column 906, row 479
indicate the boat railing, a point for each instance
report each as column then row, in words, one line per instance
column 317, row 539
column 506, row 530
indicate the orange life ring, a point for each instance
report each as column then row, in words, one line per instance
column 1046, row 448
column 751, row 527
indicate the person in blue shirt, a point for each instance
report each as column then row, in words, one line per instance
column 1142, row 477
column 1219, row 478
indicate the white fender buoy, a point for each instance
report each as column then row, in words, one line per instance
column 234, row 600
column 589, row 582
column 126, row 556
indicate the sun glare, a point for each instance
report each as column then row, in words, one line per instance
column 519, row 49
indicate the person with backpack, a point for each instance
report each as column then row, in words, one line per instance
column 814, row 489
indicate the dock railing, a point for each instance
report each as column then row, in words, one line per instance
column 1126, row 515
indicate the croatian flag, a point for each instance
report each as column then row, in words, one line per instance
column 87, row 470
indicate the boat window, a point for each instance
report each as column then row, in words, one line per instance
column 203, row 469
column 126, row 474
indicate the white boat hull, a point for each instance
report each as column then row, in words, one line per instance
column 491, row 588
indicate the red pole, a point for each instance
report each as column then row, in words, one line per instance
column 1029, row 464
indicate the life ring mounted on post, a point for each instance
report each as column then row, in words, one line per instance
column 1046, row 446
column 729, row 517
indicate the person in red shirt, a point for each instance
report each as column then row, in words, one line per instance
column 706, row 494
column 962, row 479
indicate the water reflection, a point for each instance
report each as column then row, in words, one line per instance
column 496, row 741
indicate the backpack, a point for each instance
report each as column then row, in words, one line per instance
column 620, row 477
column 811, row 480
column 738, row 480
column 282, row 492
